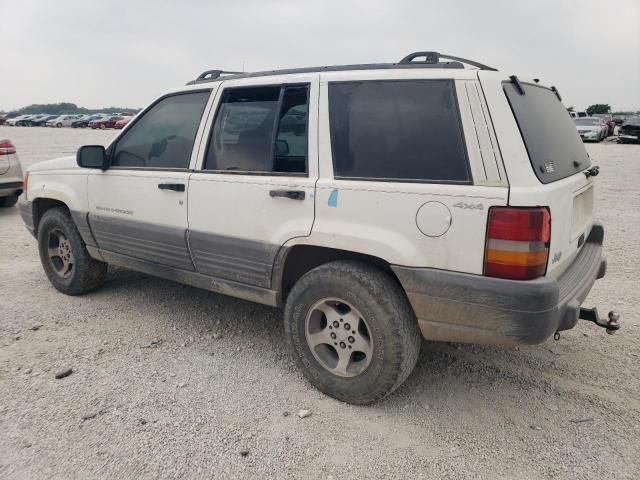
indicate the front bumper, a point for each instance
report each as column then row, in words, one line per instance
column 459, row 307
column 26, row 212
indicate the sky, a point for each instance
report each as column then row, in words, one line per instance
column 99, row 53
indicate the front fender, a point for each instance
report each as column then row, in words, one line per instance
column 69, row 188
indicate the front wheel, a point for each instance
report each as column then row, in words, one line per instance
column 352, row 331
column 64, row 256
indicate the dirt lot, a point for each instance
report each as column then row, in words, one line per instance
column 173, row 382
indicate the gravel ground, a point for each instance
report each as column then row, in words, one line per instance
column 174, row 382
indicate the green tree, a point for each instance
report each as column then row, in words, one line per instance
column 598, row 108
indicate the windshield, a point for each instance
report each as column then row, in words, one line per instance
column 550, row 136
column 587, row 121
column 632, row 121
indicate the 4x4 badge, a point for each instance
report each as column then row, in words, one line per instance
column 469, row 206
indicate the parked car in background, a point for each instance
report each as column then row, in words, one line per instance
column 25, row 120
column 107, row 122
column 83, row 121
column 12, row 122
column 592, row 129
column 41, row 120
column 609, row 121
column 11, row 183
column 121, row 123
column 2, row 120
column 630, row 131
column 619, row 119
column 62, row 121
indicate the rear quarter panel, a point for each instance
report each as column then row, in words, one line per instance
column 381, row 218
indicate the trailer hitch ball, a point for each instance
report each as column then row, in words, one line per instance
column 613, row 322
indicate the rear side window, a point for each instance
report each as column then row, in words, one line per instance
column 163, row 137
column 407, row 130
column 550, row 135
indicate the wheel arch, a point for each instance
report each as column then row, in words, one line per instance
column 41, row 205
column 293, row 262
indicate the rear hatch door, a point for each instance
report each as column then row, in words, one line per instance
column 559, row 160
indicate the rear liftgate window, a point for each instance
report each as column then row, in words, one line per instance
column 405, row 130
column 549, row 133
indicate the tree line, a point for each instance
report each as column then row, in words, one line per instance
column 602, row 108
column 66, row 108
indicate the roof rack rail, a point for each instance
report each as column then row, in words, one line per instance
column 213, row 74
column 433, row 58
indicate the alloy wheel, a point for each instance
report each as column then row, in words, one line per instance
column 339, row 337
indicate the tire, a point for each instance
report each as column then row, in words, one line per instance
column 83, row 273
column 356, row 292
column 59, row 125
column 8, row 201
column 102, row 126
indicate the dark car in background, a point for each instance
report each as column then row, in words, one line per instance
column 83, row 122
column 41, row 120
column 629, row 132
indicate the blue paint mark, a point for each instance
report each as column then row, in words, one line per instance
column 333, row 199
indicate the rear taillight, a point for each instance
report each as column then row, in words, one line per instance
column 6, row 147
column 517, row 245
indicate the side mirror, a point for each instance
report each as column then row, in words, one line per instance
column 282, row 148
column 92, row 156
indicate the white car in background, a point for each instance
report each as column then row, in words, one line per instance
column 12, row 122
column 592, row 129
column 62, row 121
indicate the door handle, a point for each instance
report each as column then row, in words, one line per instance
column 176, row 187
column 292, row 194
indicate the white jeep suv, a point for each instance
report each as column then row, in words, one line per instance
column 374, row 203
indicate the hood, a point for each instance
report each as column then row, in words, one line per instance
column 62, row 163
column 588, row 128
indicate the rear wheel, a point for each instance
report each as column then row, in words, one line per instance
column 352, row 330
column 8, row 201
column 64, row 255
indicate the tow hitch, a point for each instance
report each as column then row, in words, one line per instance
column 611, row 324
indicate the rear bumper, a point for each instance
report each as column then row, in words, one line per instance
column 10, row 188
column 459, row 307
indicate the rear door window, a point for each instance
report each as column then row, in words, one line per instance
column 550, row 135
column 260, row 130
column 397, row 130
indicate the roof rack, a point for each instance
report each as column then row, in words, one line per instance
column 433, row 58
column 215, row 74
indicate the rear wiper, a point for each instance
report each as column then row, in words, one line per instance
column 516, row 83
column 592, row 172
